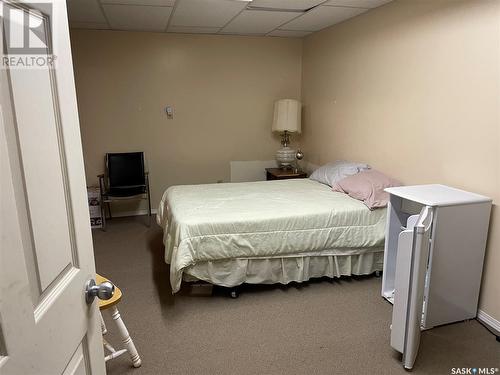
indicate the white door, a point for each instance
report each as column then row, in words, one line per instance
column 416, row 287
column 46, row 254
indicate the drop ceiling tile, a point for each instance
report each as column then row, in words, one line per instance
column 285, row 4
column 320, row 17
column 158, row 3
column 289, row 33
column 89, row 25
column 85, row 11
column 357, row 3
column 258, row 21
column 206, row 13
column 193, row 30
column 134, row 17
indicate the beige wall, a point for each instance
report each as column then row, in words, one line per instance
column 413, row 89
column 222, row 89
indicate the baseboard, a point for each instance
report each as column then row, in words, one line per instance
column 490, row 322
column 133, row 213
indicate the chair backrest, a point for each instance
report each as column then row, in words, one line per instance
column 125, row 169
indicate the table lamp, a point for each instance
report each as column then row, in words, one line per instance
column 286, row 120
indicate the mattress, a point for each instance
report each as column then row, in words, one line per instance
column 266, row 219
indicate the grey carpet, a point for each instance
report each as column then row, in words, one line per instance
column 322, row 327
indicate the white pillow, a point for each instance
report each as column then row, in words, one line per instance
column 331, row 173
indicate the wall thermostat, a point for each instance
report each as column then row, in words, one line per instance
column 169, row 111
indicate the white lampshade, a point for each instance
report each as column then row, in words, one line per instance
column 287, row 115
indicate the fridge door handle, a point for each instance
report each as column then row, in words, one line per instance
column 424, row 221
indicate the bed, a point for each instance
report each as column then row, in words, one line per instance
column 267, row 232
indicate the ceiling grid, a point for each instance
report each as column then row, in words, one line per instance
column 282, row 18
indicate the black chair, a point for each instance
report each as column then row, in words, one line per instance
column 124, row 178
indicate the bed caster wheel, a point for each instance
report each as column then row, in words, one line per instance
column 378, row 273
column 234, row 293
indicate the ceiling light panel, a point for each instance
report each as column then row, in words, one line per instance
column 132, row 17
column 158, row 3
column 257, row 22
column 206, row 13
column 357, row 3
column 85, row 11
column 285, row 4
column 320, row 17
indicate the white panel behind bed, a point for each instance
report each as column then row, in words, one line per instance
column 251, row 170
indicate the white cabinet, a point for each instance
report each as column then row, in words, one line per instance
column 433, row 261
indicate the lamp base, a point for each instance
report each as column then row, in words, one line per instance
column 285, row 157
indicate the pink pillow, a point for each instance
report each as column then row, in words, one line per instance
column 367, row 186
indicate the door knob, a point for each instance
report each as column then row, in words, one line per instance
column 105, row 290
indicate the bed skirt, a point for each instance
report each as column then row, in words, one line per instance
column 283, row 270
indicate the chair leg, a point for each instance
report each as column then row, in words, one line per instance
column 149, row 201
column 103, row 325
column 103, row 216
column 149, row 210
column 109, row 210
column 125, row 336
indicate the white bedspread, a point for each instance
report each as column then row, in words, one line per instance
column 262, row 219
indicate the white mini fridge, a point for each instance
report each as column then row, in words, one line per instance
column 433, row 261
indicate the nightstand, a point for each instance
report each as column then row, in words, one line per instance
column 283, row 174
